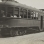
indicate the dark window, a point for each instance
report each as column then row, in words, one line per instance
column 10, row 12
column 29, row 14
column 23, row 13
column 16, row 12
column 36, row 15
column 3, row 12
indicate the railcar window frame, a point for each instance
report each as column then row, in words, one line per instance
column 29, row 14
column 16, row 15
column 3, row 11
column 24, row 12
column 21, row 12
column 35, row 15
column 9, row 11
column 16, row 12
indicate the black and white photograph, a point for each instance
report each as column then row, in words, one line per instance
column 21, row 21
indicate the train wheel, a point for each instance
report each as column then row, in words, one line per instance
column 12, row 33
column 24, row 32
column 18, row 32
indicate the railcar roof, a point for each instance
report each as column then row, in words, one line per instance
column 11, row 3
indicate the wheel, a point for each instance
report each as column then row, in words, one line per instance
column 24, row 32
column 12, row 33
column 18, row 32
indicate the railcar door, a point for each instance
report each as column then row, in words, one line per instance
column 41, row 24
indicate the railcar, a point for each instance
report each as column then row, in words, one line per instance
column 18, row 19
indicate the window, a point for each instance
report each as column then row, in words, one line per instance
column 29, row 14
column 32, row 14
column 16, row 12
column 10, row 12
column 3, row 12
column 35, row 15
column 23, row 13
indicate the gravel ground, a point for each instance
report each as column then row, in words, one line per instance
column 35, row 38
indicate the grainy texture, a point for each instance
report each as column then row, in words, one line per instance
column 36, row 38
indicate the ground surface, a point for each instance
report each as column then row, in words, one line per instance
column 35, row 38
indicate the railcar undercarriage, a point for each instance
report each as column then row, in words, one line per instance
column 18, row 31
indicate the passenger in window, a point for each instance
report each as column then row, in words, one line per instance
column 15, row 16
column 11, row 15
column 32, row 16
column 2, row 13
column 19, row 16
column 36, row 15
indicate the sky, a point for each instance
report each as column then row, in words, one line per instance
column 39, row 4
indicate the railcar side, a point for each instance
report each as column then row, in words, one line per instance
column 17, row 19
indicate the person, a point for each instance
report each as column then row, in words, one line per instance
column 19, row 16
column 15, row 16
column 11, row 15
column 31, row 16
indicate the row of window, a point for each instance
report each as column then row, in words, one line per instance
column 16, row 12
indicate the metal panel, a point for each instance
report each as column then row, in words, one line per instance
column 22, row 23
column 10, row 3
